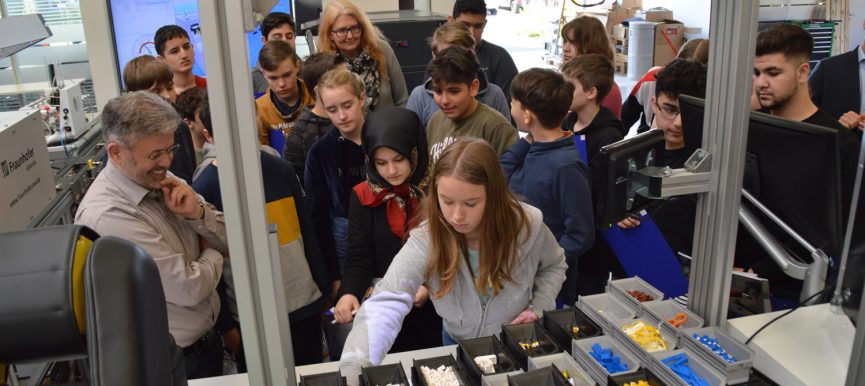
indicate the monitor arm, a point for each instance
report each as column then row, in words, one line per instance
column 813, row 275
column 655, row 183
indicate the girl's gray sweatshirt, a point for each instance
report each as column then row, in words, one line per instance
column 537, row 278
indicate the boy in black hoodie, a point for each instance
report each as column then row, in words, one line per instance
column 597, row 126
column 313, row 121
column 594, row 127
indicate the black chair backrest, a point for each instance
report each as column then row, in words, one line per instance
column 58, row 283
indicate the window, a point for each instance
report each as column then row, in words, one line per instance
column 55, row 12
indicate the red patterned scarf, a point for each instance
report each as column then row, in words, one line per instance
column 402, row 205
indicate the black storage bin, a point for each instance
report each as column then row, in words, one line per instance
column 643, row 374
column 383, row 375
column 547, row 376
column 559, row 324
column 326, row 379
column 488, row 345
column 513, row 334
column 434, row 363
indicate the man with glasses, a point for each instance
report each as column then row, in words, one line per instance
column 151, row 74
column 495, row 61
column 675, row 216
column 136, row 198
column 681, row 76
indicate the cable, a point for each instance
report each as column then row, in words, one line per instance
column 787, row 313
column 587, row 5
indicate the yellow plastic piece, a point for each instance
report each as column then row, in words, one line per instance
column 646, row 336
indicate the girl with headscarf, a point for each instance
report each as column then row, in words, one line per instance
column 382, row 211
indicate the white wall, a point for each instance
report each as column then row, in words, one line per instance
column 857, row 33
column 445, row 7
column 694, row 13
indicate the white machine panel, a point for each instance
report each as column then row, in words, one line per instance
column 26, row 178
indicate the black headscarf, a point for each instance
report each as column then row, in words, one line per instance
column 401, row 130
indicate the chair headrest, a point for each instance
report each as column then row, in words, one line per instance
column 42, row 314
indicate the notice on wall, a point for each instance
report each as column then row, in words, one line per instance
column 26, row 179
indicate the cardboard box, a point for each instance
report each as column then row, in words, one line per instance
column 612, row 18
column 658, row 15
column 669, row 37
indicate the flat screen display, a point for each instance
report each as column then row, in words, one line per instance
column 135, row 21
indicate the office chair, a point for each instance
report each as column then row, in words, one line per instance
column 66, row 293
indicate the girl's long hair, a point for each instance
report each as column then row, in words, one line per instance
column 474, row 161
column 589, row 35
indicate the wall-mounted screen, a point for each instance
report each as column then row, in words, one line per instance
column 135, row 21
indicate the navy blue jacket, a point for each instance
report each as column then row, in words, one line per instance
column 328, row 179
column 834, row 84
column 552, row 177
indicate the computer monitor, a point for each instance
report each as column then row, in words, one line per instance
column 134, row 22
column 793, row 168
column 617, row 198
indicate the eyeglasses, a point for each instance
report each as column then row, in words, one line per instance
column 668, row 112
column 169, row 151
column 342, row 32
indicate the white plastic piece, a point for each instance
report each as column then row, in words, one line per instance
column 442, row 376
column 486, row 363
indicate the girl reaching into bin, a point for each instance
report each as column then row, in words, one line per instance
column 487, row 259
column 382, row 211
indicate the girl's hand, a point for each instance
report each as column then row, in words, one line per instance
column 345, row 309
column 527, row 316
column 421, row 297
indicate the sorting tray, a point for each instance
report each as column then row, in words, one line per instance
column 559, row 322
column 547, row 376
column 326, row 379
column 500, row 379
column 383, row 375
column 513, row 334
column 738, row 372
column 635, row 347
column 563, row 362
column 620, row 289
column 643, row 374
column 487, row 345
column 701, row 368
column 604, row 308
column 660, row 312
column 581, row 351
column 434, row 363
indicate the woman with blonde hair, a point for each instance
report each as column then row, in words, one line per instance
column 346, row 30
column 587, row 35
column 487, row 259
